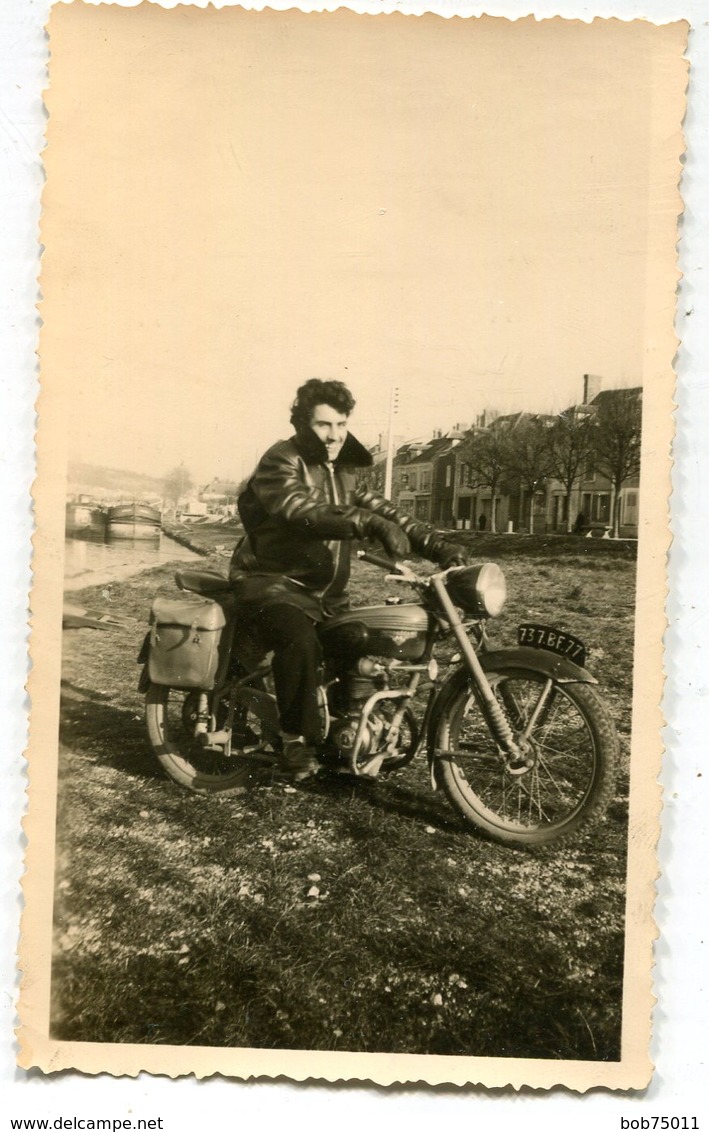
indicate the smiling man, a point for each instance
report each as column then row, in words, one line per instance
column 301, row 511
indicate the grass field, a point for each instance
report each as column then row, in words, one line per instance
column 335, row 915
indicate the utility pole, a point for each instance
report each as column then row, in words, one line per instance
column 393, row 409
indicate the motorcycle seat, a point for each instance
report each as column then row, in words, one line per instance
column 208, row 583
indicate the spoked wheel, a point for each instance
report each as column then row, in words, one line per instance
column 565, row 778
column 171, row 715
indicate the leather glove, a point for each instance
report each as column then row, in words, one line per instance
column 391, row 536
column 449, row 554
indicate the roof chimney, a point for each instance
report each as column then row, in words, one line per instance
column 591, row 387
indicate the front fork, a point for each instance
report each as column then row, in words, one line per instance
column 499, row 725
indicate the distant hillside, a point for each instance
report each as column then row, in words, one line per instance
column 92, row 479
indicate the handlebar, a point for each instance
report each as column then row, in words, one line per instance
column 377, row 560
column 398, row 571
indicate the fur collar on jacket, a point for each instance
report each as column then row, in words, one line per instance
column 311, row 448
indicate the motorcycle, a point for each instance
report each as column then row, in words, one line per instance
column 518, row 739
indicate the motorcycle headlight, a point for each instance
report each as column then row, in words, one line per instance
column 478, row 590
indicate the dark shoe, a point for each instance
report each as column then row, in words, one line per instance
column 299, row 759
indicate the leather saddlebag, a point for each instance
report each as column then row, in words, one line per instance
column 185, row 632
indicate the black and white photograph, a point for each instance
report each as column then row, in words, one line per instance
column 356, row 383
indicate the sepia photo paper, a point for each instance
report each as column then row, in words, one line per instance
column 472, row 224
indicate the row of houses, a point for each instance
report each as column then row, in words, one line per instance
column 431, row 480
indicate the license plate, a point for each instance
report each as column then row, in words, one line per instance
column 553, row 640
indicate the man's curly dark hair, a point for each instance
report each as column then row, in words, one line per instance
column 316, row 392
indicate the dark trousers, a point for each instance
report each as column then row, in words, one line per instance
column 297, row 657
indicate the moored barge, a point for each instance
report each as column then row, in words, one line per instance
column 133, row 521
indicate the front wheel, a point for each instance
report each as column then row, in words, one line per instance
column 566, row 778
column 170, row 715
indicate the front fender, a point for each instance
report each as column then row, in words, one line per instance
column 548, row 664
column 559, row 668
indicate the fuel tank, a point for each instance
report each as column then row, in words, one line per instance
column 395, row 631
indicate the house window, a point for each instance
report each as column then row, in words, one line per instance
column 596, row 507
column 630, row 507
column 449, row 474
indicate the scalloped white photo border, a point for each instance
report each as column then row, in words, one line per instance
column 678, row 1041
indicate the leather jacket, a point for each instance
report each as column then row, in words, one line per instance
column 300, row 514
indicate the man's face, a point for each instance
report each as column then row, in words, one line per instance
column 331, row 427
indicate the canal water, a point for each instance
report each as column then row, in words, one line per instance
column 90, row 562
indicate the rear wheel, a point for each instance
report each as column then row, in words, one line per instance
column 568, row 772
column 171, row 714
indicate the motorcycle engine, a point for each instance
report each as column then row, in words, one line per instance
column 343, row 732
column 380, row 747
column 351, row 692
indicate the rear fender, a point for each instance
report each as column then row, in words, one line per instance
column 548, row 664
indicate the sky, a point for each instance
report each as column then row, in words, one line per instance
column 470, row 211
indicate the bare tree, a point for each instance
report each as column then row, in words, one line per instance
column 617, row 434
column 530, row 463
column 488, row 456
column 571, row 441
column 177, row 483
